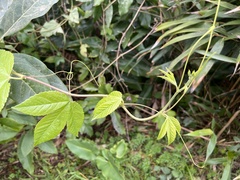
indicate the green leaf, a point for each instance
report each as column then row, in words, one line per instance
column 51, row 28
column 218, row 57
column 51, row 125
column 11, row 123
column 170, row 126
column 211, row 146
column 109, row 15
column 20, row 13
column 28, row 65
column 107, row 105
column 120, row 149
column 75, row 119
column 202, row 132
column 26, row 161
column 43, row 103
column 27, row 143
column 6, row 66
column 73, row 17
column 108, row 166
column 83, row 149
column 97, row 2
column 169, row 76
column 123, row 6
column 48, row 147
column 117, row 124
column 7, row 133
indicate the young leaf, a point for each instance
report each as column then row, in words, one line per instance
column 75, row 119
column 84, row 150
column 43, row 103
column 170, row 126
column 51, row 28
column 6, row 66
column 51, row 125
column 202, row 132
column 107, row 105
column 169, row 76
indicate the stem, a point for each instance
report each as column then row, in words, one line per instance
column 59, row 90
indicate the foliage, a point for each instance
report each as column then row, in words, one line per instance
column 121, row 47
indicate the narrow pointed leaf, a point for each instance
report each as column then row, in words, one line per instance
column 163, row 130
column 27, row 143
column 51, row 125
column 43, row 103
column 107, row 105
column 75, row 119
column 211, row 146
column 26, row 161
column 202, row 132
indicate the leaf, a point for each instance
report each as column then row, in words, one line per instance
column 51, row 125
column 7, row 133
column 26, row 161
column 6, row 66
column 48, row 147
column 170, row 126
column 107, row 105
column 20, row 13
column 28, row 65
column 4, row 4
column 117, row 124
column 202, row 132
column 97, row 2
column 27, row 143
column 73, row 17
column 83, row 149
column 218, row 56
column 43, row 103
column 109, row 15
column 11, row 123
column 51, row 28
column 108, row 166
column 123, row 6
column 75, row 119
column 211, row 146
column 169, row 76
column 120, row 149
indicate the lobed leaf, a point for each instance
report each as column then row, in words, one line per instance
column 107, row 105
column 43, row 103
column 171, row 127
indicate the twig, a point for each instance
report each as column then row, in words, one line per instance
column 228, row 123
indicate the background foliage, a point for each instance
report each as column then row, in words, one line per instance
column 121, row 45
